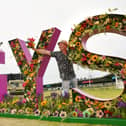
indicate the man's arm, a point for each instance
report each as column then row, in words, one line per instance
column 43, row 51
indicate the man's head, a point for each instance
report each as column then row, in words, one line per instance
column 62, row 45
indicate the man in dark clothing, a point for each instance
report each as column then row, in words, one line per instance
column 65, row 66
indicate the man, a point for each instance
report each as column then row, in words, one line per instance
column 64, row 64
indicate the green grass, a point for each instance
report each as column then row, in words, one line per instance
column 103, row 92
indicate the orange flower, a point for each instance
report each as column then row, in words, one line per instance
column 63, row 103
column 35, row 61
column 77, row 98
column 32, row 74
column 95, row 102
column 25, row 72
column 70, row 103
column 78, row 33
column 78, row 44
column 108, row 63
column 15, row 52
column 60, row 106
column 27, row 81
column 94, row 57
column 124, row 65
column 43, row 103
column 116, row 24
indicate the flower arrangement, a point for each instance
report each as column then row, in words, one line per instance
column 77, row 52
column 60, row 106
column 101, row 109
column 30, row 69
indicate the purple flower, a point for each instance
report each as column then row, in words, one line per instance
column 19, row 103
column 121, row 104
column 65, row 95
column 54, row 95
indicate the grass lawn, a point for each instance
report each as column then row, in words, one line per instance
column 103, row 92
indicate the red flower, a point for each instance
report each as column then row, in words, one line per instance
column 31, row 66
column 31, row 39
column 19, row 63
column 116, row 24
column 31, row 44
column 84, row 25
column 107, row 27
column 72, row 48
column 83, row 97
column 107, row 113
column 12, row 44
column 117, row 64
column 83, row 58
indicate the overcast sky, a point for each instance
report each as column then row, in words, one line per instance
column 28, row 18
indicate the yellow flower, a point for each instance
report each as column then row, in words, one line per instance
column 107, row 104
column 28, row 110
column 74, row 114
column 97, row 22
column 91, row 110
column 13, row 102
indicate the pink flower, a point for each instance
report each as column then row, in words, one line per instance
column 24, row 84
column 103, row 57
column 36, row 105
column 84, row 58
column 99, row 113
column 28, row 93
column 24, row 100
